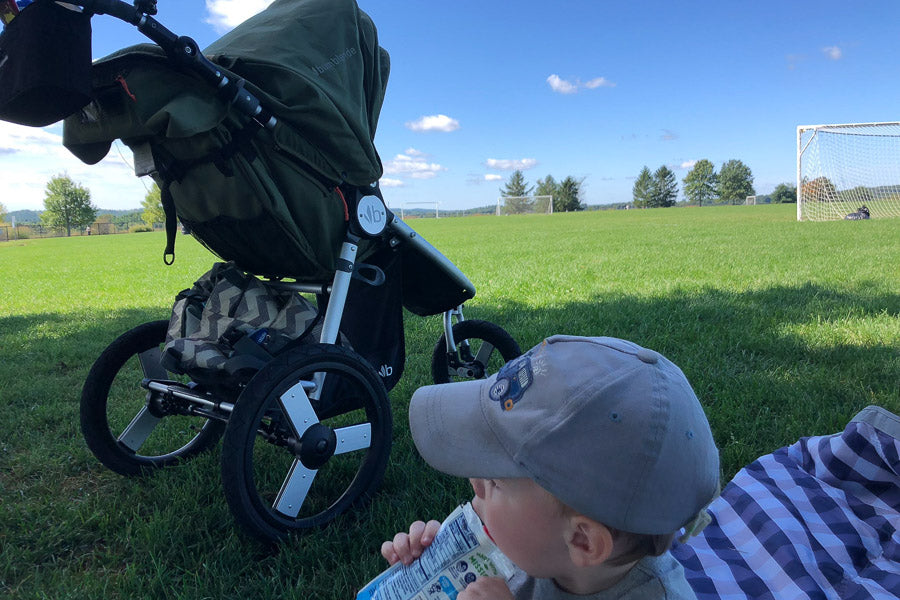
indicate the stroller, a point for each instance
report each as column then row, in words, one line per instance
column 262, row 147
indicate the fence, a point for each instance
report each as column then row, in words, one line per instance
column 24, row 231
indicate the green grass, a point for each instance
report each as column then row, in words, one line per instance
column 785, row 329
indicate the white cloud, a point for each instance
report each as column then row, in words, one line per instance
column 433, row 123
column 505, row 164
column 414, row 152
column 561, row 85
column 599, row 82
column 688, row 164
column 564, row 86
column 388, row 182
column 833, row 52
column 415, row 167
column 227, row 14
column 493, row 177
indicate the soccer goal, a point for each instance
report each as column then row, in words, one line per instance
column 521, row 205
column 750, row 201
column 841, row 168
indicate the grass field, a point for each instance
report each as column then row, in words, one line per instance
column 785, row 329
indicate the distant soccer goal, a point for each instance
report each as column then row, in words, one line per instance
column 842, row 168
column 750, row 201
column 522, row 205
column 411, row 209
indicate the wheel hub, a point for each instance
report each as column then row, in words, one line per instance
column 317, row 446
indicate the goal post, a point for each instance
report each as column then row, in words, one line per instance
column 844, row 167
column 522, row 205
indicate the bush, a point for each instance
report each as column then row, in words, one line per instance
column 139, row 228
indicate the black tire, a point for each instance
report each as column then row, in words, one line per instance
column 112, row 400
column 482, row 348
column 274, row 484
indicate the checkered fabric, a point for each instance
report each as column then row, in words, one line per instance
column 817, row 519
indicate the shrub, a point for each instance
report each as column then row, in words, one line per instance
column 139, row 228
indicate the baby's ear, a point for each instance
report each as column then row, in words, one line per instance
column 590, row 543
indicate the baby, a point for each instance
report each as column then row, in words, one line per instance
column 588, row 456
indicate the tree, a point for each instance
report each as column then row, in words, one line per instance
column 2, row 213
column 548, row 187
column 735, row 182
column 67, row 205
column 700, row 183
column 642, row 187
column 664, row 189
column 784, row 194
column 153, row 209
column 569, row 192
column 819, row 189
column 517, row 194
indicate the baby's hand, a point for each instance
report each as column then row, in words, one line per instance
column 486, row 588
column 406, row 547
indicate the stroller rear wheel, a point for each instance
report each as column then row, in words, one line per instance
column 481, row 349
column 128, row 428
column 308, row 439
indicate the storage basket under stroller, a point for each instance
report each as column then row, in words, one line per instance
column 262, row 145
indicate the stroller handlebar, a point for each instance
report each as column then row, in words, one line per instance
column 184, row 51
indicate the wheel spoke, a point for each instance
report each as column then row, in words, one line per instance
column 139, row 429
column 355, row 437
column 298, row 409
column 484, row 353
column 294, row 489
column 150, row 364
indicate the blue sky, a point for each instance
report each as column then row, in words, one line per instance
column 592, row 89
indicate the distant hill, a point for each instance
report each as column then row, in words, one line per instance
column 34, row 216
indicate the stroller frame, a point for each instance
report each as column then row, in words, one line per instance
column 292, row 403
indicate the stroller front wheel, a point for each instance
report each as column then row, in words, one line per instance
column 121, row 420
column 308, row 439
column 481, row 349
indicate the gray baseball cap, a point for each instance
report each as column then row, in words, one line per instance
column 611, row 429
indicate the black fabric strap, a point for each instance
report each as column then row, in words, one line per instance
column 168, row 205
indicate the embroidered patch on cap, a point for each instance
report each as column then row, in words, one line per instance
column 513, row 379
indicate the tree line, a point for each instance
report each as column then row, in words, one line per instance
column 703, row 185
column 519, row 197
column 68, row 206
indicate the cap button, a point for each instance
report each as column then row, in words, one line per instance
column 648, row 356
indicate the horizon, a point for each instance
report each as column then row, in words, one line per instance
column 595, row 90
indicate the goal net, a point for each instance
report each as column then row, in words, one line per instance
column 420, row 209
column 522, row 205
column 843, row 168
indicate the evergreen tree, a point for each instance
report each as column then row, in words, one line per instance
column 700, row 183
column 735, row 182
column 569, row 192
column 67, row 205
column 548, row 187
column 664, row 190
column 153, row 209
column 642, row 188
column 517, row 194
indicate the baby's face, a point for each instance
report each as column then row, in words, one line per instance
column 525, row 521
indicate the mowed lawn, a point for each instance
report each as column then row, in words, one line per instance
column 785, row 329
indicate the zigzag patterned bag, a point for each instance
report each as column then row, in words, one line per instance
column 230, row 324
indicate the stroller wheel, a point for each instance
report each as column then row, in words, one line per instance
column 120, row 426
column 481, row 349
column 308, row 439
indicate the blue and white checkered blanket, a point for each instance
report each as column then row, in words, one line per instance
column 818, row 519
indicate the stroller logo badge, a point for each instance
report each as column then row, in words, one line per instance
column 386, row 371
column 513, row 379
column 371, row 215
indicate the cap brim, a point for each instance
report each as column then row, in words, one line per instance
column 452, row 432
